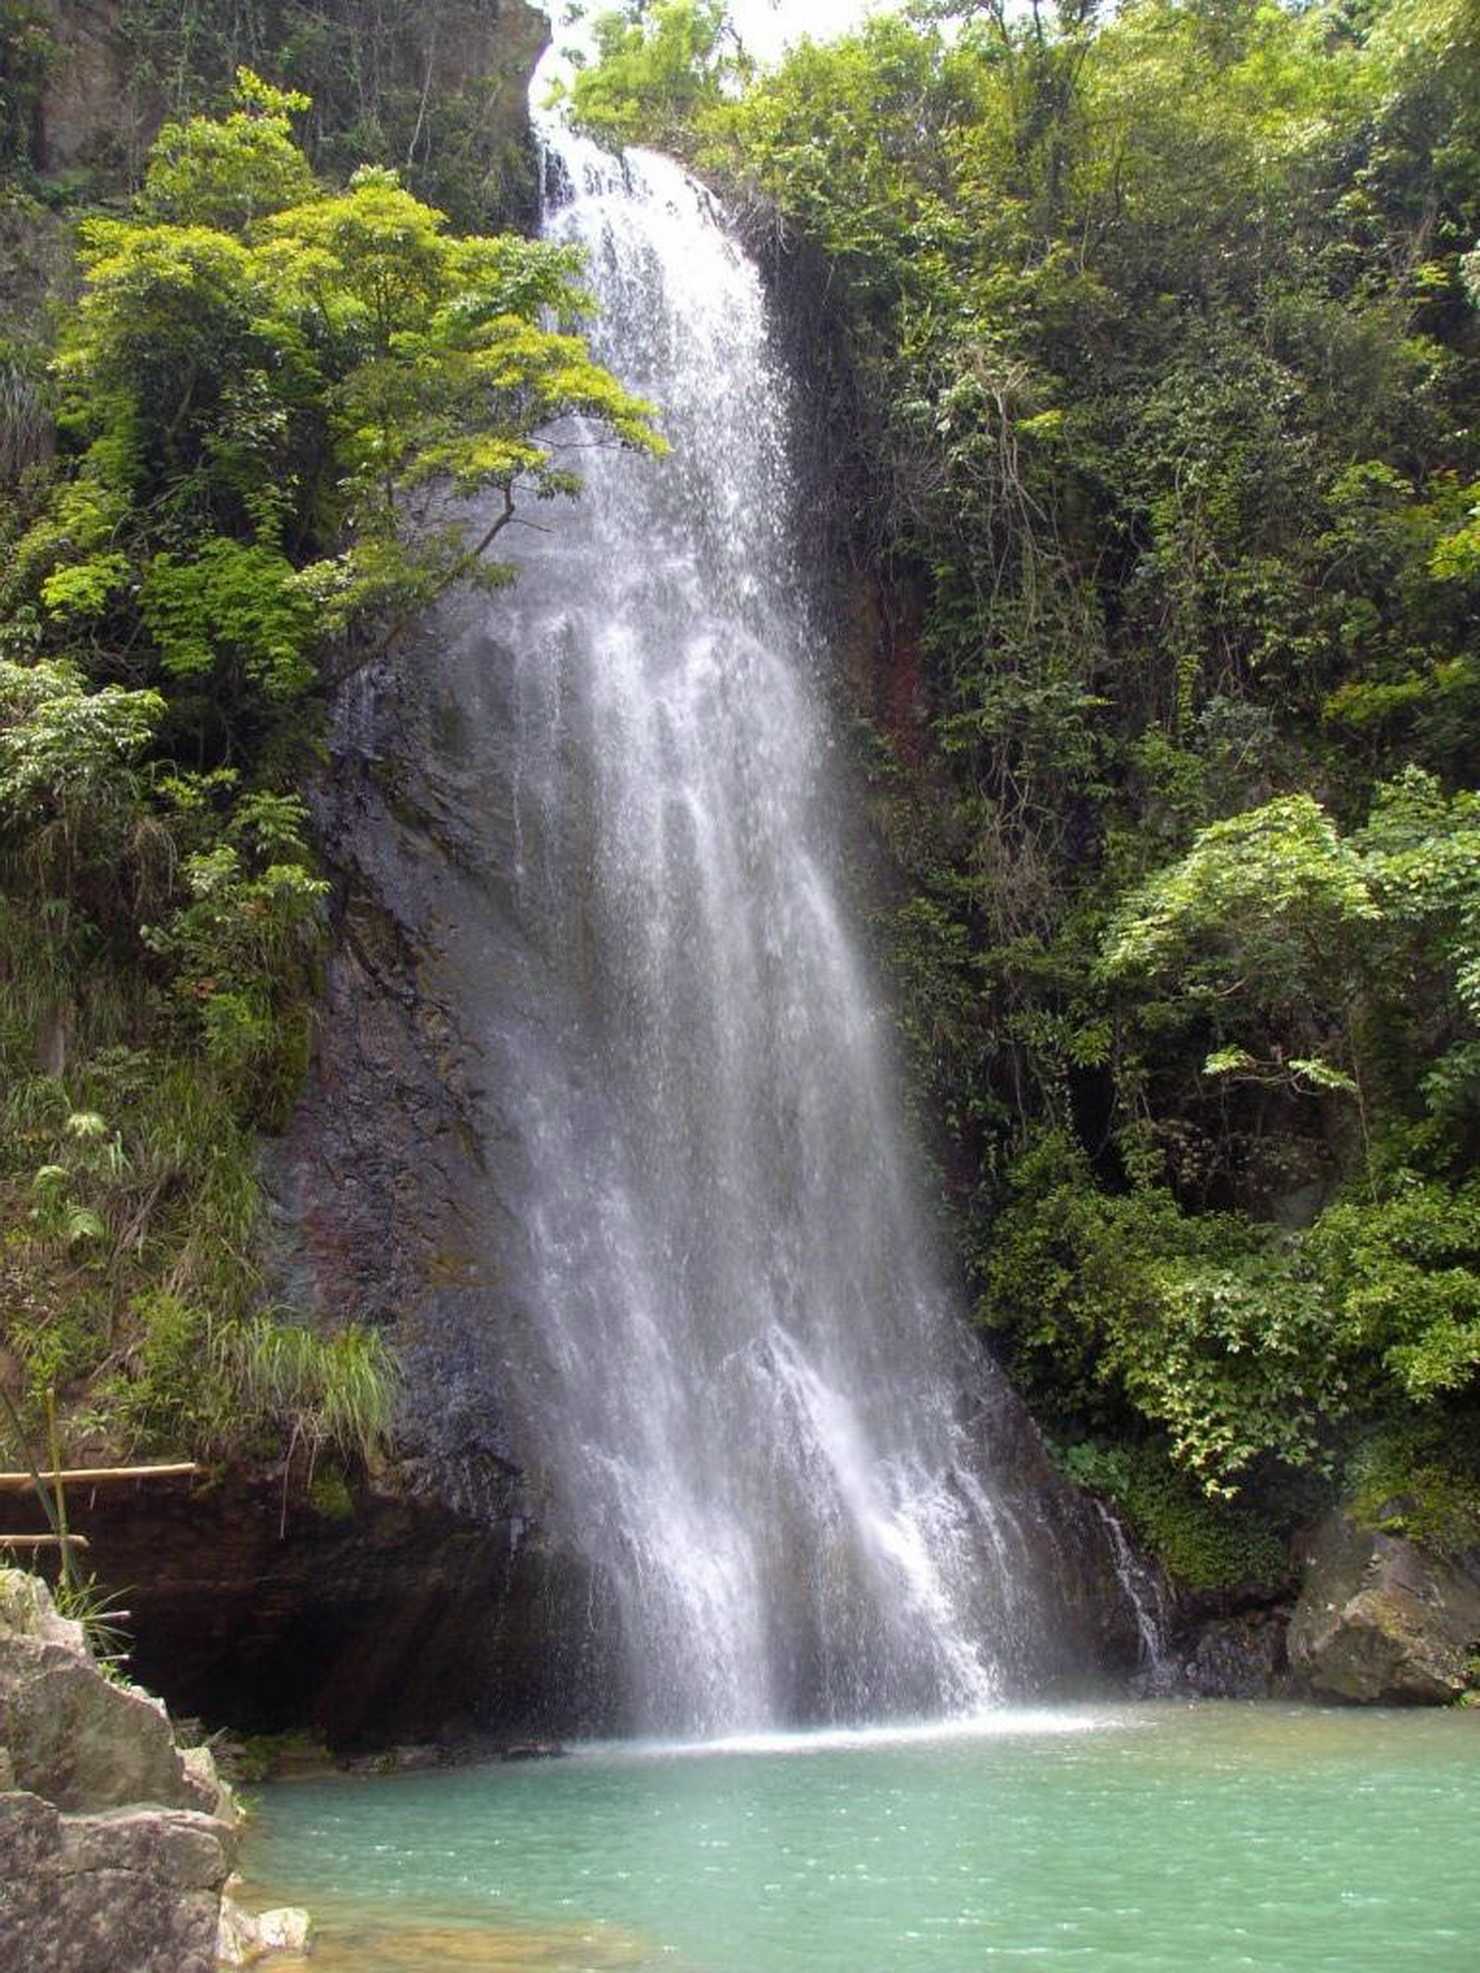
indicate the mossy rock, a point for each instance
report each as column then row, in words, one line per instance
column 1380, row 1621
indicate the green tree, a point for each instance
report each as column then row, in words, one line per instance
column 661, row 65
column 296, row 412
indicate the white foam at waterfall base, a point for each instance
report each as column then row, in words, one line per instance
column 734, row 1365
column 997, row 1723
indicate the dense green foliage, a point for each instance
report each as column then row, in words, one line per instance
column 1161, row 336
column 290, row 416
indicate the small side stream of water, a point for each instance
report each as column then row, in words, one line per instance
column 1161, row 1838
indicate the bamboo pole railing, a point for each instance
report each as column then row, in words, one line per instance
column 92, row 1476
column 58, row 1480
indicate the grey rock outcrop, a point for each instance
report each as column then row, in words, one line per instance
column 74, row 1738
column 1380, row 1620
column 136, row 1889
column 111, row 1860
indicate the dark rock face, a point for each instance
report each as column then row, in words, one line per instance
column 387, row 1186
column 89, row 106
column 1379, row 1620
column 1239, row 1657
column 1088, row 1623
column 401, row 1619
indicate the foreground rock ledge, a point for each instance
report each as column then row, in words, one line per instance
column 74, row 1737
column 125, row 1891
column 115, row 1848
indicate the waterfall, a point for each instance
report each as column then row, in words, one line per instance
column 1145, row 1593
column 730, row 1359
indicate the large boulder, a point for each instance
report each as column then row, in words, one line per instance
column 127, row 1891
column 114, row 1849
column 1382, row 1621
column 76, row 1738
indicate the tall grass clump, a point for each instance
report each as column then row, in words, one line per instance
column 335, row 1390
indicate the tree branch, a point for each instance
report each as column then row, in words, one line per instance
column 455, row 574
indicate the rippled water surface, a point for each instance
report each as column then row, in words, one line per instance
column 1164, row 1839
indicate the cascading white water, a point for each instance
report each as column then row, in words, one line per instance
column 735, row 1365
column 1145, row 1592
